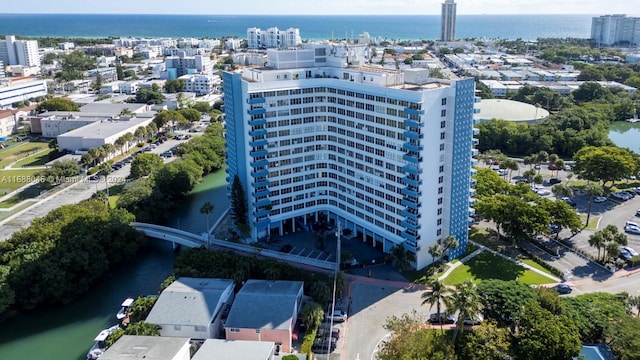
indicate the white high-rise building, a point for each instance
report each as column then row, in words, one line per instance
column 448, row 21
column 273, row 38
column 615, row 29
column 19, row 52
column 386, row 154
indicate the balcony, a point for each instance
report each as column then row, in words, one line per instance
column 472, row 201
column 411, row 204
column 413, row 135
column 261, row 193
column 476, row 131
column 411, row 111
column 263, row 202
column 472, row 192
column 477, row 99
column 412, row 158
column 472, row 212
column 474, row 171
column 261, row 213
column 413, row 123
column 476, row 111
column 413, row 170
column 475, row 142
column 260, row 184
column 409, row 215
column 259, row 153
column 473, row 183
column 260, row 173
column 412, row 147
column 412, row 239
column 411, row 226
column 256, row 100
column 259, row 163
column 411, row 182
column 258, row 143
column 257, row 111
column 258, row 122
column 474, row 161
column 258, row 132
column 414, row 193
column 263, row 222
column 474, row 152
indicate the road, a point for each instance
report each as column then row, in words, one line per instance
column 73, row 194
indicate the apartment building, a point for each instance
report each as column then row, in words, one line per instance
column 615, row 29
column 273, row 38
column 21, row 90
column 448, row 21
column 383, row 153
column 182, row 64
column 19, row 52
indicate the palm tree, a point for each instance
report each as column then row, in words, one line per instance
column 598, row 241
column 436, row 295
column 613, row 249
column 104, row 170
column 119, row 143
column 434, row 250
column 467, row 302
column 450, row 242
column 95, row 154
column 108, row 149
column 140, row 133
column 401, row 258
column 206, row 209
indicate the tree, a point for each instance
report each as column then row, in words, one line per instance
column 466, row 301
column 503, row 301
column 312, row 314
column 190, row 114
column 140, row 308
column 435, row 251
column 174, row 86
column 592, row 190
column 623, row 335
column 142, row 328
column 604, row 163
column 561, row 190
column 401, row 258
column 202, row 106
column 545, row 336
column 145, row 165
column 206, row 209
column 57, row 104
column 437, row 294
column 412, row 341
column 597, row 241
column 486, row 342
column 238, row 202
column 105, row 169
column 172, row 117
column 449, row 243
column 590, row 91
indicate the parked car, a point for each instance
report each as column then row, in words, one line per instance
column 567, row 168
column 632, row 230
column 474, row 320
column 638, row 212
column 569, row 201
column 338, row 316
column 627, row 253
column 630, row 193
column 563, row 289
column 554, row 181
column 324, row 332
column 441, row 318
column 621, row 196
column 543, row 192
column 599, row 199
column 323, row 345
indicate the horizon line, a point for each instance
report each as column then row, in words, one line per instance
column 243, row 14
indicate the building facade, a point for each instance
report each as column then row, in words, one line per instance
column 448, row 21
column 19, row 52
column 273, row 38
column 16, row 91
column 615, row 29
column 182, row 64
column 354, row 144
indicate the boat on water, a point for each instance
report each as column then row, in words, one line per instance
column 123, row 311
column 99, row 346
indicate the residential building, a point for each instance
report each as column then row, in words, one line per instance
column 200, row 84
column 8, row 122
column 448, row 21
column 182, row 64
column 21, row 90
column 319, row 134
column 265, row 310
column 66, row 46
column 2, row 73
column 615, row 29
column 235, row 350
column 192, row 307
column 148, row 348
column 273, row 38
column 19, row 52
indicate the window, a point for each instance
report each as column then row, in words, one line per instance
column 443, row 113
column 443, row 124
column 444, row 101
column 200, row 328
column 441, row 135
column 441, row 169
column 439, row 201
column 441, row 147
column 234, row 330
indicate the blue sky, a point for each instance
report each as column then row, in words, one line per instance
column 321, row 7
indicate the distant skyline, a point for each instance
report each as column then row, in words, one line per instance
column 326, row 7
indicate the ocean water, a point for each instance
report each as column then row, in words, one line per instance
column 427, row 27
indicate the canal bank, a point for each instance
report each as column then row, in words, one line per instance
column 67, row 332
column 625, row 134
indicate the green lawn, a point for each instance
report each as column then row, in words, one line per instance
column 6, row 214
column 535, row 265
column 11, row 180
column 30, row 193
column 593, row 221
column 489, row 266
column 20, row 151
column 39, row 159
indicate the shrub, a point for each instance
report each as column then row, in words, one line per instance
column 307, row 342
column 634, row 261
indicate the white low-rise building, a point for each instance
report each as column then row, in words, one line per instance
column 101, row 132
column 200, row 84
column 21, row 90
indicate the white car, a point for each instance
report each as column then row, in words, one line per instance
column 599, row 199
column 632, row 230
column 338, row 316
column 631, row 223
column 543, row 192
column 627, row 253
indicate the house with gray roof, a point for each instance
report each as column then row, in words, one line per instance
column 192, row 307
column 235, row 350
column 265, row 310
column 148, row 348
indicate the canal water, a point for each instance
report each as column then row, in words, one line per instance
column 67, row 332
column 625, row 134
